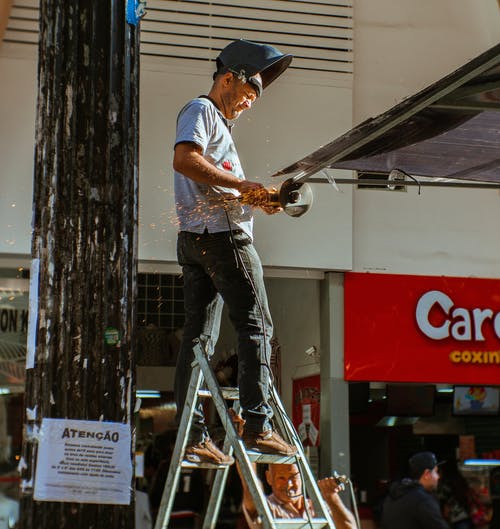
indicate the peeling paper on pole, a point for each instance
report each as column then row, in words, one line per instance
column 122, row 387
column 32, row 433
column 31, row 413
column 21, row 466
column 32, row 314
column 26, row 485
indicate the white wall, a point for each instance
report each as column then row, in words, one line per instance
column 17, row 134
column 441, row 232
column 296, row 114
column 401, row 46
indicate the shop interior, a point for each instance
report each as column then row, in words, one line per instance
column 388, row 422
column 400, row 419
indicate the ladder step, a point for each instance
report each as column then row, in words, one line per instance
column 189, row 464
column 202, row 371
column 257, row 457
column 227, row 393
column 316, row 523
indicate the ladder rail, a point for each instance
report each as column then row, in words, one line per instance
column 310, row 481
column 203, row 372
column 174, row 471
column 218, row 485
column 250, row 478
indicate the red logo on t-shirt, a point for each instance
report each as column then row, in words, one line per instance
column 228, row 166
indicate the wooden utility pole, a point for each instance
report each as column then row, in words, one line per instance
column 84, row 248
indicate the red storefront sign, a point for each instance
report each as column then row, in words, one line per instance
column 402, row 328
column 305, row 409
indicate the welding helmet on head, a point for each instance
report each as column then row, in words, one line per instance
column 246, row 59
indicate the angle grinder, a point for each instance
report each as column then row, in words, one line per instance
column 295, row 198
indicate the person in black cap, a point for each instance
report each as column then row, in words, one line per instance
column 410, row 503
column 215, row 244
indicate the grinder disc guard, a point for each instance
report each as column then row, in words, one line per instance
column 295, row 198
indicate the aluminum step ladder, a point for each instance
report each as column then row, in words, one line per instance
column 233, row 445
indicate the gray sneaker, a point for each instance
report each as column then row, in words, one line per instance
column 207, row 452
column 268, row 442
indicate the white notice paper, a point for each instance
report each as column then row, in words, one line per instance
column 84, row 462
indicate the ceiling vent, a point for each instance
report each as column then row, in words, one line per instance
column 319, row 34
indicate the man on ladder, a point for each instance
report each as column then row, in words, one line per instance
column 220, row 265
column 215, row 245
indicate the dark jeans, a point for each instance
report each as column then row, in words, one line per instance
column 213, row 276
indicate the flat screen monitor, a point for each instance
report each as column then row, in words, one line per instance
column 410, row 400
column 476, row 400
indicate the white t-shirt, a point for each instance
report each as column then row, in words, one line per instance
column 201, row 206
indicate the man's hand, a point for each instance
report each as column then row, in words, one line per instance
column 247, row 185
column 260, row 197
column 271, row 209
column 330, row 488
column 342, row 516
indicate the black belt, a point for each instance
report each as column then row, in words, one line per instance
column 237, row 231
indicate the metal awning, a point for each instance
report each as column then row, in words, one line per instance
column 451, row 129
